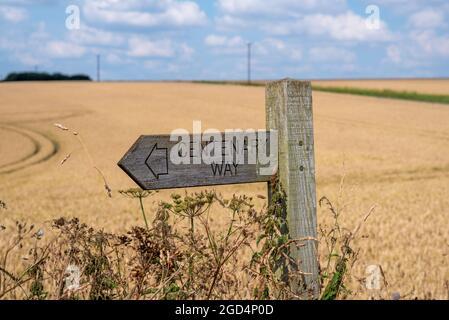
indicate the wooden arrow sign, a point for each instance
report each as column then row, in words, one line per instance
column 149, row 162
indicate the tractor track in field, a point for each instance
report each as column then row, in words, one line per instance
column 36, row 146
column 44, row 147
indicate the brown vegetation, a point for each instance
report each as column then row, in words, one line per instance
column 394, row 153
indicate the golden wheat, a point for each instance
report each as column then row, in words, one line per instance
column 393, row 154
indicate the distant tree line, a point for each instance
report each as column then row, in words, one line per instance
column 43, row 76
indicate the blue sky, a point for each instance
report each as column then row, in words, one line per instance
column 205, row 39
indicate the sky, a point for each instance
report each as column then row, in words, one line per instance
column 207, row 39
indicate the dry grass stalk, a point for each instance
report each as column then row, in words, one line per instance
column 179, row 255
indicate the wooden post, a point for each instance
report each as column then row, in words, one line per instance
column 289, row 110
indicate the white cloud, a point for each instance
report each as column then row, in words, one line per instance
column 142, row 47
column 275, row 43
column 140, row 13
column 186, row 52
column 92, row 36
column 315, row 18
column 422, row 41
column 418, row 48
column 311, row 17
column 429, row 43
column 270, row 7
column 394, row 54
column 345, row 27
column 331, row 54
column 117, row 57
column 228, row 22
column 114, row 58
column 296, row 54
column 160, row 66
column 407, row 6
column 214, row 40
column 62, row 49
column 28, row 59
column 427, row 19
column 28, row 2
column 226, row 45
column 223, row 41
column 28, row 51
column 12, row 14
column 40, row 34
column 276, row 47
column 152, row 65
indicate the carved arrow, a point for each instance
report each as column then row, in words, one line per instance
column 157, row 161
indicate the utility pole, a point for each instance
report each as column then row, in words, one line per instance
column 249, row 62
column 98, row 67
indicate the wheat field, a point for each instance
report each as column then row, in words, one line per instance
column 392, row 154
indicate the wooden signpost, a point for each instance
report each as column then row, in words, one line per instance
column 149, row 164
column 289, row 113
column 289, row 110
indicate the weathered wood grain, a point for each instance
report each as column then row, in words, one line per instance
column 147, row 163
column 289, row 110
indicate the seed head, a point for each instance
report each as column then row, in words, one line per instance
column 65, row 158
column 60, row 126
column 39, row 234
